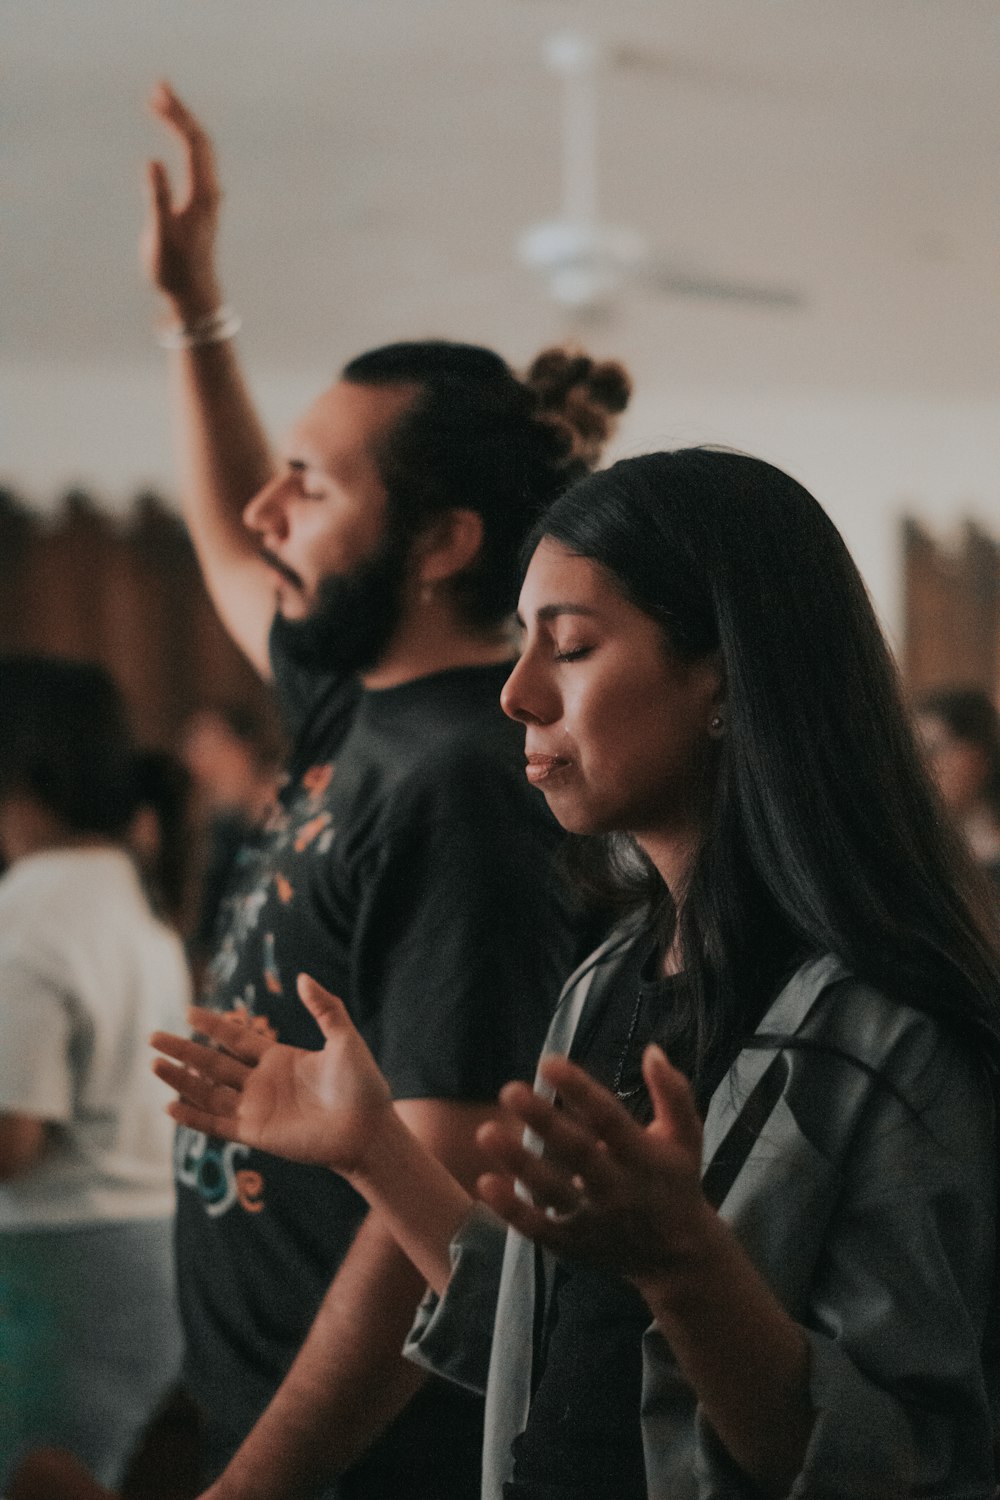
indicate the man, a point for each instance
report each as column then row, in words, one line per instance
column 407, row 866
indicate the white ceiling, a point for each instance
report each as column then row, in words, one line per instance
column 381, row 157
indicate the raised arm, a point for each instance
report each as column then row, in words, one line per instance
column 330, row 1108
column 222, row 449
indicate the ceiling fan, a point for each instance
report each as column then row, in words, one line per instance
column 585, row 262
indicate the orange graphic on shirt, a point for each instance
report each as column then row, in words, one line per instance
column 317, row 779
column 250, row 1190
column 310, row 831
column 284, row 888
column 260, row 1024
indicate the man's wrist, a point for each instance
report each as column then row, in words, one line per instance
column 214, row 327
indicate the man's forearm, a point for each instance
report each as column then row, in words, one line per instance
column 224, row 460
column 347, row 1384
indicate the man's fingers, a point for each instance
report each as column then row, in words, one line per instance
column 203, row 1093
column 222, row 1126
column 209, row 1062
column 199, row 180
column 158, row 188
column 232, row 1030
column 329, row 1013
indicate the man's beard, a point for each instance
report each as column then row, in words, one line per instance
column 355, row 615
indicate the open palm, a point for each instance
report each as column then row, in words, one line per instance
column 321, row 1107
column 178, row 240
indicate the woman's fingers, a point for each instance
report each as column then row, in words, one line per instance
column 672, row 1100
column 570, row 1148
column 577, row 1138
column 550, row 1185
column 208, row 1062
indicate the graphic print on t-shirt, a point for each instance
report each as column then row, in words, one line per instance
column 263, row 886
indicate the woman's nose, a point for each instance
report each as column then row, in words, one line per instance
column 522, row 697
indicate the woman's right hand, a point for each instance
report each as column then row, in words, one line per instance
column 178, row 241
column 323, row 1107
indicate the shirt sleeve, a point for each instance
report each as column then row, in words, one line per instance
column 899, row 1232
column 453, row 1334
column 464, row 935
column 36, row 1076
column 902, row 1295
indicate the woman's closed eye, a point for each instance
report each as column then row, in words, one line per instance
column 573, row 653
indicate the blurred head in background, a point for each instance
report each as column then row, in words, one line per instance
column 960, row 733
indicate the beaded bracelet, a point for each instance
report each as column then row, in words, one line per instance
column 218, row 326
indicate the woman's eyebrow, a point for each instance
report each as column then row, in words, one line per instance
column 551, row 611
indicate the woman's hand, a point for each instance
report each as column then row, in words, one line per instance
column 324, row 1107
column 607, row 1190
column 178, row 241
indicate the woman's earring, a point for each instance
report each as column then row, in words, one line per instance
column 716, row 726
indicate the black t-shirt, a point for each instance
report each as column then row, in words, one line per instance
column 408, row 868
column 583, row 1439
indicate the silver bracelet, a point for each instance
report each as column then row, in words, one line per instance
column 218, row 326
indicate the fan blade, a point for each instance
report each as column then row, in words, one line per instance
column 671, row 282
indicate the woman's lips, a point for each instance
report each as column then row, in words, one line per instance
column 539, row 767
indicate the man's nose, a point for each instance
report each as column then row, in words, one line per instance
column 266, row 513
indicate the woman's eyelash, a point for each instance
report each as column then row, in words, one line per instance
column 576, row 653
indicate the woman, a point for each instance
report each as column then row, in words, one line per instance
column 960, row 732
column 89, row 1338
column 766, row 1265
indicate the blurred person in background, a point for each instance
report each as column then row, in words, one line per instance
column 960, row 732
column 89, row 1334
column 162, row 833
column 233, row 756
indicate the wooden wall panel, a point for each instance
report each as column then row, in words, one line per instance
column 127, row 594
column 951, row 610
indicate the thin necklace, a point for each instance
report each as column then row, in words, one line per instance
column 626, row 1094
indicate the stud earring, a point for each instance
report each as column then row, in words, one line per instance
column 716, row 725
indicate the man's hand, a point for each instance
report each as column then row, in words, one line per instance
column 178, row 241
column 325, row 1107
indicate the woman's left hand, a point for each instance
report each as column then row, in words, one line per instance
column 607, row 1191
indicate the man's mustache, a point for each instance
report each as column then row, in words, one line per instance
column 289, row 574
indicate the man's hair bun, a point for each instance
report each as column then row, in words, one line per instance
column 581, row 396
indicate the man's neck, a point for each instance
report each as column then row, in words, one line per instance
column 429, row 647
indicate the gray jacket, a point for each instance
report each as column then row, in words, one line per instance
column 867, row 1198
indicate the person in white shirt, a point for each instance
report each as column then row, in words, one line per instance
column 89, row 1337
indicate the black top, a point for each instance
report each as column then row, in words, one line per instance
column 407, row 867
column 583, row 1439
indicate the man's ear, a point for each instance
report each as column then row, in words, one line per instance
column 448, row 545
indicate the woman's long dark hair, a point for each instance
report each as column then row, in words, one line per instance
column 824, row 834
